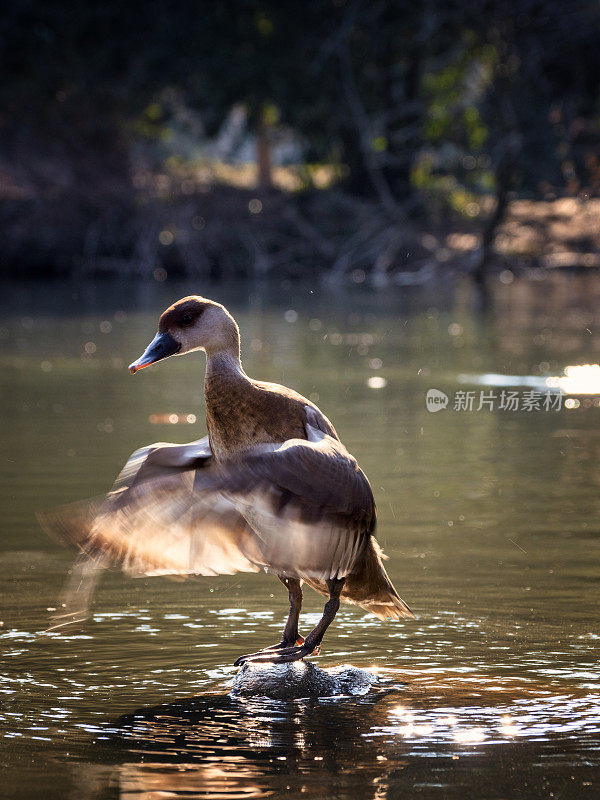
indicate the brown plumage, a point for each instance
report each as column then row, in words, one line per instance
column 270, row 487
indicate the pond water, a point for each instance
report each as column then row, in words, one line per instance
column 489, row 518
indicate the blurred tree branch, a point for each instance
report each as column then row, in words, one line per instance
column 432, row 116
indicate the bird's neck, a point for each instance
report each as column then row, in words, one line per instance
column 225, row 378
column 223, row 356
column 224, row 364
column 226, row 390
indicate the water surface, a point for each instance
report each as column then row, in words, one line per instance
column 489, row 519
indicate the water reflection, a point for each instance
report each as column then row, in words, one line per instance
column 371, row 747
column 225, row 747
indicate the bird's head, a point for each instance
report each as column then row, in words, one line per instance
column 193, row 323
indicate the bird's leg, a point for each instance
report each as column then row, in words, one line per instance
column 290, row 631
column 313, row 640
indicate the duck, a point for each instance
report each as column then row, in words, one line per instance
column 271, row 487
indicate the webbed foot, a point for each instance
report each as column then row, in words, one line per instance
column 279, row 653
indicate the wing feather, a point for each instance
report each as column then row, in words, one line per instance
column 301, row 508
column 309, row 503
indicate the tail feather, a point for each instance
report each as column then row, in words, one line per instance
column 369, row 586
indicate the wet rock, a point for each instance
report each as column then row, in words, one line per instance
column 300, row 679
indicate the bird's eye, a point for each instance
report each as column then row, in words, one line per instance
column 186, row 319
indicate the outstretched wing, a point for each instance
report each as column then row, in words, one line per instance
column 150, row 522
column 302, row 508
column 309, row 504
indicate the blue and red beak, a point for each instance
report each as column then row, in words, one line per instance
column 162, row 346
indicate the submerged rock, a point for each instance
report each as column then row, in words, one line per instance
column 300, row 679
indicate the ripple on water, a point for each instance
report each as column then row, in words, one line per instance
column 235, row 747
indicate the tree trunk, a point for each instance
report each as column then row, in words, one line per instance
column 263, row 155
